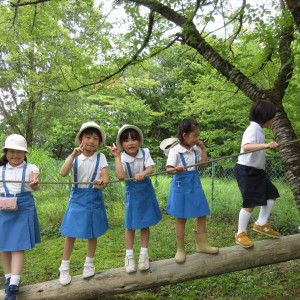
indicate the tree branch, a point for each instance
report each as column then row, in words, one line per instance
column 18, row 4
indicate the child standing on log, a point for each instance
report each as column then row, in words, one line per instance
column 85, row 217
column 186, row 197
column 141, row 207
column 19, row 225
column 255, row 186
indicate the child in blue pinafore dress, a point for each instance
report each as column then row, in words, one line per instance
column 141, row 207
column 19, row 229
column 85, row 217
column 186, row 197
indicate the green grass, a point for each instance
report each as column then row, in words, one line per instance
column 280, row 281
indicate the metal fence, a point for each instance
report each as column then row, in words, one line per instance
column 219, row 182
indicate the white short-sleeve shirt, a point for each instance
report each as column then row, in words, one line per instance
column 86, row 168
column 174, row 159
column 136, row 163
column 254, row 134
column 15, row 173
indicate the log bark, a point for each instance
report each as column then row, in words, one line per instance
column 164, row 272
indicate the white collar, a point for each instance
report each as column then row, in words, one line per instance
column 181, row 149
column 9, row 166
column 91, row 158
column 256, row 125
column 129, row 159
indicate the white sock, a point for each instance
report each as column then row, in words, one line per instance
column 265, row 212
column 144, row 251
column 129, row 252
column 15, row 279
column 244, row 218
column 7, row 275
column 65, row 263
column 89, row 259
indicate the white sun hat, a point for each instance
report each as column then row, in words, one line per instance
column 15, row 142
column 167, row 144
column 91, row 125
column 123, row 128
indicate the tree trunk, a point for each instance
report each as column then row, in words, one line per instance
column 163, row 272
column 290, row 154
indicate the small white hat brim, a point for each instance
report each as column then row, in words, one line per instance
column 167, row 144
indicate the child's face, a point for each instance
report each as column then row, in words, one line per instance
column 90, row 142
column 268, row 123
column 15, row 157
column 191, row 138
column 131, row 146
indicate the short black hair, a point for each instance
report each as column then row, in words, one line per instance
column 186, row 126
column 129, row 132
column 262, row 111
column 91, row 130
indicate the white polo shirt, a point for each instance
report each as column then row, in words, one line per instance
column 15, row 173
column 86, row 167
column 254, row 134
column 136, row 163
column 174, row 159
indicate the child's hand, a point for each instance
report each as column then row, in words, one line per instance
column 114, row 150
column 272, row 145
column 99, row 183
column 139, row 177
column 34, row 180
column 200, row 144
column 180, row 169
column 77, row 151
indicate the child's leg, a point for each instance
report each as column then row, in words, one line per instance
column 201, row 237
column 6, row 262
column 241, row 237
column 64, row 277
column 89, row 268
column 265, row 212
column 91, row 247
column 262, row 225
column 144, row 259
column 68, row 247
column 180, row 229
column 129, row 259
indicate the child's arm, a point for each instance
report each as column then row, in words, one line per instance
column 204, row 157
column 105, row 177
column 251, row 146
column 120, row 173
column 141, row 176
column 34, row 180
column 176, row 170
column 67, row 166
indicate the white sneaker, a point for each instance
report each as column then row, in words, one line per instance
column 88, row 270
column 130, row 264
column 64, row 276
column 144, row 262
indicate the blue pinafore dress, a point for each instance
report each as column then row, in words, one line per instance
column 85, row 217
column 186, row 197
column 141, row 207
column 19, row 230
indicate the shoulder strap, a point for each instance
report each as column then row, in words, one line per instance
column 23, row 178
column 95, row 171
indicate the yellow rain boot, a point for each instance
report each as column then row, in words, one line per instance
column 180, row 254
column 202, row 244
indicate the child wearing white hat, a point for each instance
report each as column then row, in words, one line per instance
column 85, row 217
column 19, row 225
column 141, row 207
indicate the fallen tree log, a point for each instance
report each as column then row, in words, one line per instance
column 163, row 272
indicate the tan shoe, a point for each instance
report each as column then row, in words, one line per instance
column 143, row 262
column 266, row 229
column 130, row 266
column 202, row 243
column 243, row 240
column 180, row 254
